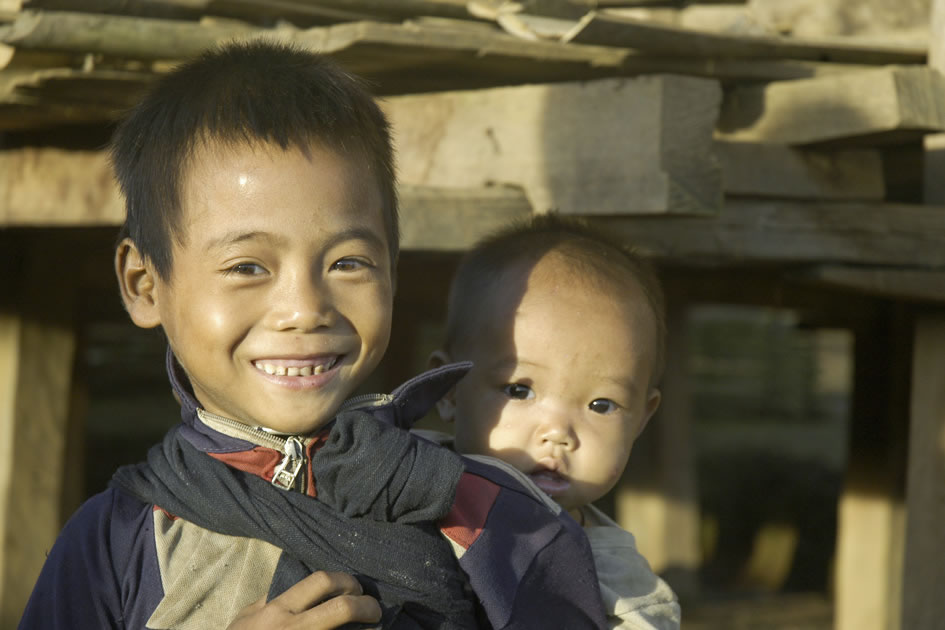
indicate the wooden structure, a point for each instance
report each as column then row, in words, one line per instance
column 755, row 170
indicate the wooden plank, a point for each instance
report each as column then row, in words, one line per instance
column 892, row 104
column 871, row 527
column 625, row 32
column 420, row 56
column 37, row 344
column 153, row 38
column 924, row 572
column 748, row 232
column 51, row 187
column 445, row 220
column 902, row 284
column 773, row 170
column 54, row 187
column 614, row 146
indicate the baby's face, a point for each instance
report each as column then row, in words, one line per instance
column 562, row 390
column 279, row 300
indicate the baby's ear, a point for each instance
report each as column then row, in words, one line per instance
column 446, row 406
column 653, row 399
column 136, row 280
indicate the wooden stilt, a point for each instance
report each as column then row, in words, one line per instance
column 37, row 345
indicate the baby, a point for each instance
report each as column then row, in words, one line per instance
column 565, row 329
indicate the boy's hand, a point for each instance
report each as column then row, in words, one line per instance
column 322, row 601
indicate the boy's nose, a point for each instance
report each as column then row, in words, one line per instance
column 303, row 306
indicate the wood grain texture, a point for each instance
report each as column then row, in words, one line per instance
column 614, row 146
column 924, row 572
column 892, row 104
column 780, row 171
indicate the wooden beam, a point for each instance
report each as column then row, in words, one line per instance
column 625, row 32
column 419, row 56
column 614, row 146
column 750, row 232
column 37, row 345
column 903, row 284
column 54, row 187
column 59, row 188
column 893, row 104
column 924, row 572
column 773, row 170
column 446, row 220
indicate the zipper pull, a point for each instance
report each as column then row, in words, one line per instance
column 288, row 469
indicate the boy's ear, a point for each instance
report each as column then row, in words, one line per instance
column 136, row 281
column 652, row 404
column 446, row 406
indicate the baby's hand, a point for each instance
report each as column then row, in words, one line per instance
column 322, row 601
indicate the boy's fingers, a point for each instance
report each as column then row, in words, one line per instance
column 342, row 610
column 316, row 588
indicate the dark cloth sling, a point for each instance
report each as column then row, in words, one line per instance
column 380, row 493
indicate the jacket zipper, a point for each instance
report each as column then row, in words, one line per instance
column 292, row 447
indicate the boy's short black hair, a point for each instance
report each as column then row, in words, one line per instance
column 601, row 258
column 243, row 93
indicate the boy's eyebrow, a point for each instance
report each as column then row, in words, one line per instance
column 351, row 234
column 357, row 234
column 232, row 238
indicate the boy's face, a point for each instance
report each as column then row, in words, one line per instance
column 560, row 386
column 279, row 300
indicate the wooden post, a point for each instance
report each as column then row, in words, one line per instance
column 658, row 499
column 923, row 577
column 37, row 346
column 924, row 574
column 934, row 189
column 871, row 516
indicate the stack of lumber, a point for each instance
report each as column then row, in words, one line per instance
column 737, row 147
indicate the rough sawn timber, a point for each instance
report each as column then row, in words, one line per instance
column 612, row 146
column 885, row 105
column 781, row 171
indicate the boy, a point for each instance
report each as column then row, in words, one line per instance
column 565, row 331
column 261, row 236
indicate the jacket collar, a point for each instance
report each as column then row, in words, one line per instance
column 401, row 408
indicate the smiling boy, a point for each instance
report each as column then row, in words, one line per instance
column 261, row 236
column 565, row 330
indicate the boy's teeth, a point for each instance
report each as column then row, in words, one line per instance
column 281, row 370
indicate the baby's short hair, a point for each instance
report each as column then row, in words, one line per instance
column 601, row 259
column 242, row 93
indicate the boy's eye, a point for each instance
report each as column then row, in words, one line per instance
column 518, row 391
column 348, row 264
column 247, row 269
column 602, row 405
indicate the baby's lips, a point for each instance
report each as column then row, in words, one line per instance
column 550, row 482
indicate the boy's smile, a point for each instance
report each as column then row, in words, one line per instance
column 560, row 386
column 279, row 299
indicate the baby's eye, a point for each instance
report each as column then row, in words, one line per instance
column 518, row 391
column 247, row 269
column 602, row 406
column 349, row 264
